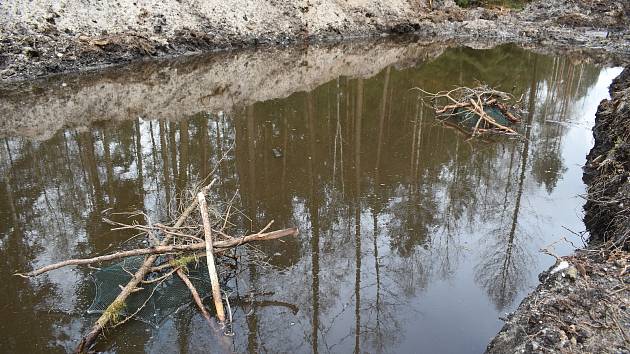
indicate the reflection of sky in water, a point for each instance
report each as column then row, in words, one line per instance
column 417, row 243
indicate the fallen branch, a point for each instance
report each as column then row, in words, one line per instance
column 193, row 291
column 218, row 246
column 212, row 270
column 464, row 103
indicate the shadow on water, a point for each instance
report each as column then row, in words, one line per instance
column 413, row 238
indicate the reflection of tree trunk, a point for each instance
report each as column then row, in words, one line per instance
column 183, row 158
column 285, row 150
column 377, row 269
column 314, row 213
column 415, row 144
column 508, row 181
column 109, row 169
column 11, row 203
column 220, row 134
column 71, row 174
column 357, row 278
column 86, row 145
column 164, row 153
column 250, row 204
column 357, row 215
column 266, row 146
column 251, row 161
column 153, row 146
column 173, row 146
column 139, row 159
column 315, row 268
column 249, row 200
column 339, row 141
column 524, row 155
column 86, row 180
column 381, row 120
column 205, row 148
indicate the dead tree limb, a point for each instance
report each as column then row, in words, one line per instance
column 212, row 270
column 218, row 246
column 195, row 295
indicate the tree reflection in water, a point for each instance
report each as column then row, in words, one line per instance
column 395, row 211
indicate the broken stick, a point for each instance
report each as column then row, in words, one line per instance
column 219, row 246
column 212, row 270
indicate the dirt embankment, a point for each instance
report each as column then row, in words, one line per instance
column 583, row 304
column 45, row 37
column 607, row 172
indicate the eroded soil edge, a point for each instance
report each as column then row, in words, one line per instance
column 46, row 37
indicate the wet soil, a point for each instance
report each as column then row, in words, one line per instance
column 46, row 38
column 607, row 172
column 582, row 309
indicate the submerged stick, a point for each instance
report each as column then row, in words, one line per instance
column 212, row 270
column 219, row 246
column 193, row 291
column 225, row 344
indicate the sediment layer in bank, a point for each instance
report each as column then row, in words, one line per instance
column 47, row 37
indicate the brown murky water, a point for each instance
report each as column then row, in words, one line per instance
column 413, row 238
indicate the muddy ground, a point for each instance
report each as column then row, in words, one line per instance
column 47, row 37
column 583, row 304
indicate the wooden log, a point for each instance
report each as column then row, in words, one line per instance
column 212, row 270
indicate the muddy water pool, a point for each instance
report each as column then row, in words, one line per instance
column 414, row 238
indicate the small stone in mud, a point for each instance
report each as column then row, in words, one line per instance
column 572, row 273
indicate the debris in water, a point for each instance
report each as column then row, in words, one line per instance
column 560, row 267
column 152, row 282
column 480, row 110
column 277, row 152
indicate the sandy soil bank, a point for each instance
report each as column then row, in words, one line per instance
column 45, row 37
